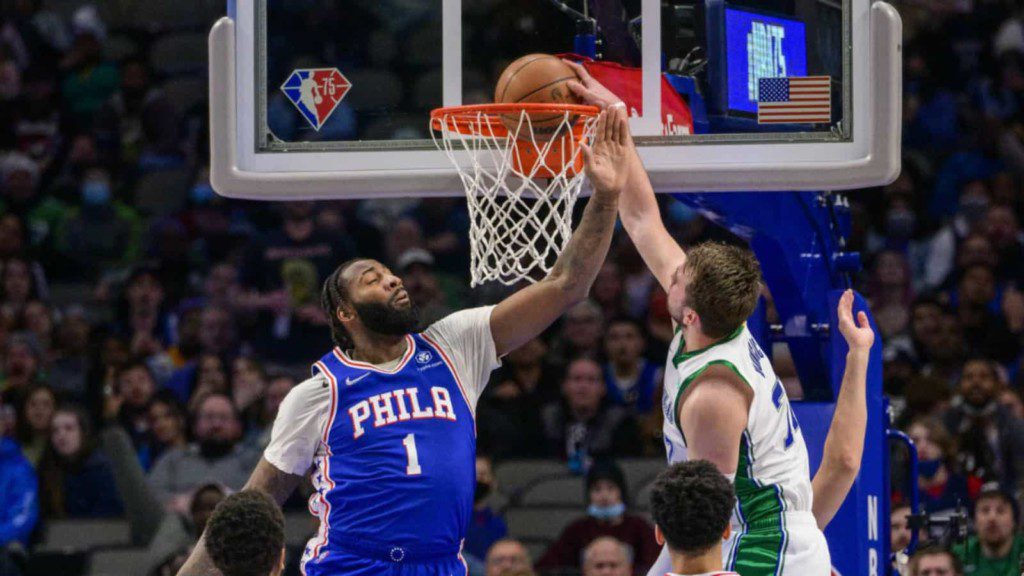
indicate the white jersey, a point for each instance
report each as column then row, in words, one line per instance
column 773, row 485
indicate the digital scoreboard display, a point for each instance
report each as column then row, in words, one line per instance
column 760, row 46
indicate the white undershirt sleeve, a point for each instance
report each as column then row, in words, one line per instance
column 465, row 337
column 300, row 422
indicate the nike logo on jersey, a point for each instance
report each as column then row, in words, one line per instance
column 398, row 406
column 351, row 381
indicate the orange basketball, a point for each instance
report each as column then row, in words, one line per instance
column 536, row 78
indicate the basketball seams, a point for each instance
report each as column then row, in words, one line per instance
column 508, row 82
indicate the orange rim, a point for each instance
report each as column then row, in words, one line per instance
column 486, row 119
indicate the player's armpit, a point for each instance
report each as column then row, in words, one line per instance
column 713, row 416
column 270, row 479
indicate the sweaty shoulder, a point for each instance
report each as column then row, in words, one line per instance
column 299, row 426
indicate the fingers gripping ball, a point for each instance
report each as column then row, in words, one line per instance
column 536, row 78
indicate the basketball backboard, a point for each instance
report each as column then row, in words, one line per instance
column 331, row 98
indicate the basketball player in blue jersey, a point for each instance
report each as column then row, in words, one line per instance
column 387, row 421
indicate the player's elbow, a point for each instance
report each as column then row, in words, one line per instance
column 571, row 288
column 846, row 462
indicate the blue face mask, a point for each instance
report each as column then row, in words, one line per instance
column 929, row 468
column 203, row 193
column 606, row 512
column 95, row 193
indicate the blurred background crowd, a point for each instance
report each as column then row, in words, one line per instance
column 149, row 329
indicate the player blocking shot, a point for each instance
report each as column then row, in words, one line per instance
column 723, row 402
column 386, row 422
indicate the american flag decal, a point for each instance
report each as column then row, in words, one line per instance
column 799, row 100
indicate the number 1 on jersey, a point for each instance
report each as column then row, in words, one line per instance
column 413, row 468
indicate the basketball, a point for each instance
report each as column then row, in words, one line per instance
column 536, row 78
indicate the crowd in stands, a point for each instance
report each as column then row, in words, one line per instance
column 144, row 351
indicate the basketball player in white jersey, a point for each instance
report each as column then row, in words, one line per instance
column 723, row 402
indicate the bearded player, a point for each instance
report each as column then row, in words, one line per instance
column 723, row 402
column 387, row 420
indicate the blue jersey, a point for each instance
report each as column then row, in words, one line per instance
column 394, row 466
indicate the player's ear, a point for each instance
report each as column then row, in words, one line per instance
column 728, row 532
column 659, row 536
column 345, row 312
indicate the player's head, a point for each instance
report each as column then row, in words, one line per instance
column 935, row 561
column 688, row 490
column 364, row 296
column 607, row 556
column 995, row 517
column 716, row 290
column 508, row 557
column 245, row 535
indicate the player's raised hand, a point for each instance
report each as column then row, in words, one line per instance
column 590, row 90
column 858, row 334
column 605, row 160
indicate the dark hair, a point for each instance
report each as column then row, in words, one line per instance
column 134, row 363
column 725, row 283
column 935, row 550
column 687, row 491
column 610, row 471
column 53, row 468
column 22, row 430
column 332, row 295
column 245, row 534
column 994, row 492
column 626, row 320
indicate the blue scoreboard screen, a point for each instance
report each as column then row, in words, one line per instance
column 760, row 46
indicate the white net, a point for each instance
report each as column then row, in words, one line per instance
column 522, row 173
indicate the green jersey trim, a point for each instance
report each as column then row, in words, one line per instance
column 682, row 356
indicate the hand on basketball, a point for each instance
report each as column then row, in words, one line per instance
column 606, row 161
column 858, row 334
column 589, row 90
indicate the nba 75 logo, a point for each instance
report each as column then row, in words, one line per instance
column 316, row 92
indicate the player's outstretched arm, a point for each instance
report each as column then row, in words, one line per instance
column 844, row 445
column 528, row 312
column 266, row 477
column 639, row 208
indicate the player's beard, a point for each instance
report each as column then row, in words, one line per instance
column 385, row 318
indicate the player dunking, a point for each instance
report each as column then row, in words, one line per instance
column 724, row 403
column 387, row 420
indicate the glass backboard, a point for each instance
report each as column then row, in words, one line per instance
column 331, row 98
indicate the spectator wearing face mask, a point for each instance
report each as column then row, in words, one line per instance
column 101, row 233
column 486, row 526
column 215, row 456
column 606, row 516
column 943, row 488
column 998, row 548
column 990, row 438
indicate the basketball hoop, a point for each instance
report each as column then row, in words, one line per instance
column 522, row 168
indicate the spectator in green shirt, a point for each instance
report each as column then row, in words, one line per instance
column 997, row 549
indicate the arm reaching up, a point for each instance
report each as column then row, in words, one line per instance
column 844, row 445
column 638, row 207
column 529, row 311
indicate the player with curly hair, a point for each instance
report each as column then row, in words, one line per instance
column 684, row 492
column 245, row 535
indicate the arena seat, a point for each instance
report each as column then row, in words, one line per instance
column 514, row 475
column 116, row 561
column 565, row 491
column 539, row 523
column 71, row 535
column 642, row 497
column 640, row 471
column 536, row 547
